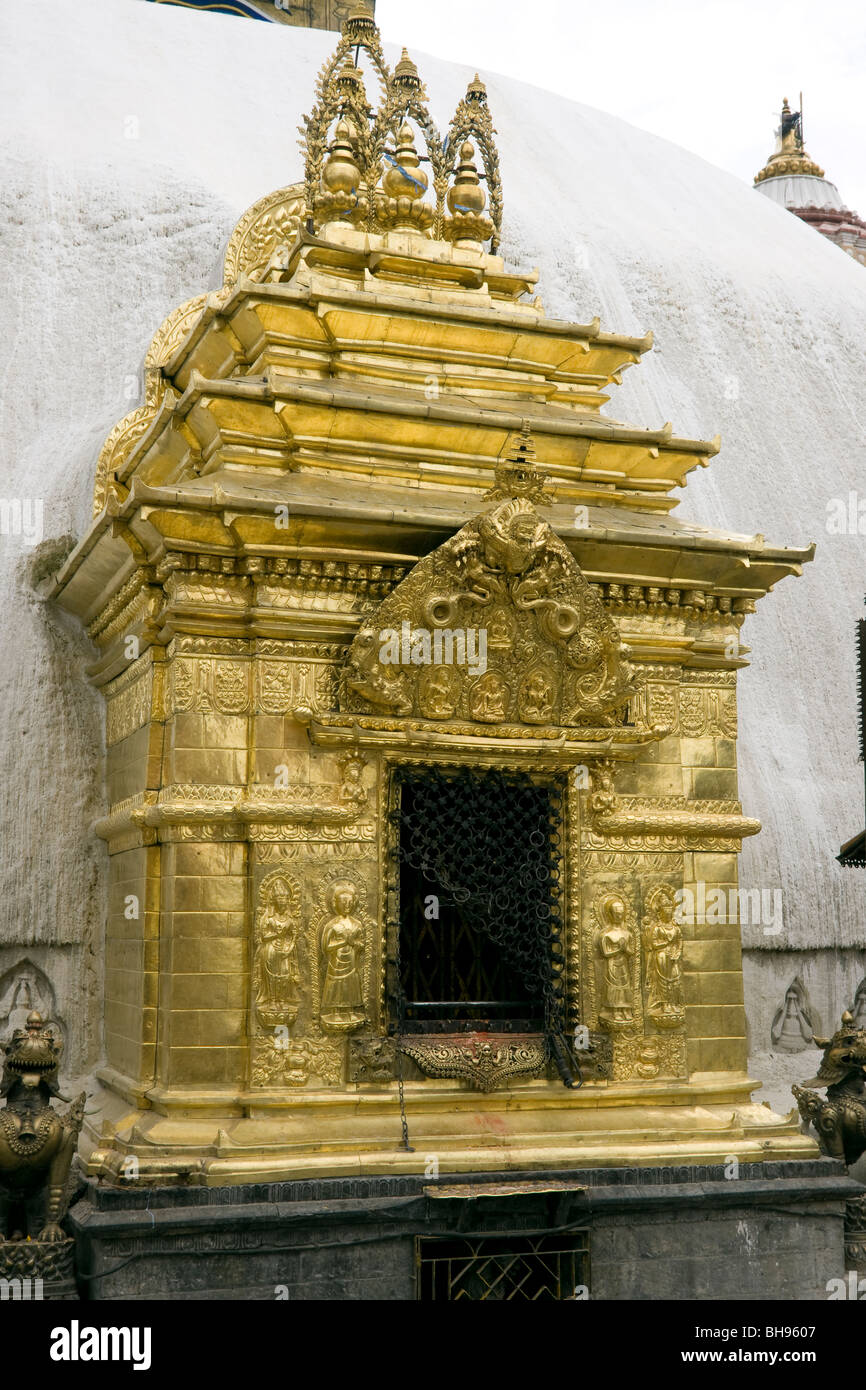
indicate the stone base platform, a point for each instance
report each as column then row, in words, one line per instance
column 535, row 1126
column 759, row 1231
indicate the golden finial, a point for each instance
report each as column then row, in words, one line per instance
column 519, row 474
column 338, row 196
column 524, row 449
column 397, row 201
column 359, row 24
column 398, row 206
column 466, row 193
column 471, row 121
column 341, row 173
column 466, row 201
column 406, row 73
column 404, row 177
column 476, row 91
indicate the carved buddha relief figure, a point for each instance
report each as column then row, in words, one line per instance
column 341, row 945
column 616, row 944
column 663, row 953
column 488, row 699
column 275, row 970
column 499, row 630
column 439, row 692
column 537, row 697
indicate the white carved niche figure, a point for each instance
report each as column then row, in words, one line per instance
column 792, row 1028
column 25, row 989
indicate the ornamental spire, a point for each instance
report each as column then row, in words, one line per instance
column 378, row 153
column 519, row 474
column 789, row 156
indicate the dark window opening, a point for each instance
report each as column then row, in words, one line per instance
column 478, row 885
column 504, row 1268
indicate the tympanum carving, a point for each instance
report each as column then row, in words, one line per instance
column 498, row 624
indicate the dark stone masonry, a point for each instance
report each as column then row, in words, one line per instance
column 776, row 1231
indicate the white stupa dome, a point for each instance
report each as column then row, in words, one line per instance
column 126, row 166
column 793, row 191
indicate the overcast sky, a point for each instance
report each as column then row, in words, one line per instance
column 707, row 74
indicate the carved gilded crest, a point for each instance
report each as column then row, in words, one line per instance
column 498, row 625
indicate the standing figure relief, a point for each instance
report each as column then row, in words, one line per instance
column 342, row 946
column 663, row 952
column 276, row 974
column 617, row 946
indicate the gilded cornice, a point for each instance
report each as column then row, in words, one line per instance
column 206, row 554
column 694, row 823
column 504, row 745
column 234, row 809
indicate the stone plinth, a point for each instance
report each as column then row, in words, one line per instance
column 775, row 1232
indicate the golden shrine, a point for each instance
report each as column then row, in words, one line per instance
column 421, row 705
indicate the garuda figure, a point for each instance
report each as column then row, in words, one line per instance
column 840, row 1120
column 36, row 1144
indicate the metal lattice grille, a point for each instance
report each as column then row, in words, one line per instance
column 479, row 897
column 479, row 933
column 503, row 1268
column 453, row 972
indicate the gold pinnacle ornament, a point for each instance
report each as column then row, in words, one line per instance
column 790, row 155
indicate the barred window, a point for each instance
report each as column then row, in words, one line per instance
column 479, row 919
column 503, row 1268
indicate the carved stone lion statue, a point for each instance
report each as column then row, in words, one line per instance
column 36, row 1144
column 840, row 1119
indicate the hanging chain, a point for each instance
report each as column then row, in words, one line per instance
column 400, row 1015
column 401, row 1011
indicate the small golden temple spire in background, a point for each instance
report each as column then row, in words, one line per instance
column 789, row 156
